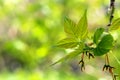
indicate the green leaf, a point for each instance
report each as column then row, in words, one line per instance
column 115, row 25
column 97, row 35
column 69, row 27
column 100, row 51
column 72, row 54
column 68, row 57
column 81, row 28
column 67, row 43
column 104, row 45
column 106, row 42
column 78, row 31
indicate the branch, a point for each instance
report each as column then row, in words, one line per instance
column 112, row 9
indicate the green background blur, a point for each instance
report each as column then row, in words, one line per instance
column 29, row 30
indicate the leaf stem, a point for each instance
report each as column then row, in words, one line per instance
column 82, row 56
column 107, row 59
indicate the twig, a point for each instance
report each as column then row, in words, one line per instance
column 112, row 9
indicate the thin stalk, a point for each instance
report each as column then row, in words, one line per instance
column 107, row 59
column 82, row 56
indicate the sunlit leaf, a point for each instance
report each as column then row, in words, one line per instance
column 67, row 43
column 115, row 25
column 97, row 35
column 81, row 28
column 68, row 57
column 72, row 54
column 69, row 27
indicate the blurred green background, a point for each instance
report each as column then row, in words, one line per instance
column 29, row 29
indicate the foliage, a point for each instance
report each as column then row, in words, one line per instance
column 102, row 40
column 77, row 34
column 115, row 25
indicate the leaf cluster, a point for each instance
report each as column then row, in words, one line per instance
column 77, row 34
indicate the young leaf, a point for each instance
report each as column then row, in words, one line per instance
column 81, row 28
column 69, row 56
column 106, row 42
column 72, row 54
column 69, row 27
column 67, row 43
column 97, row 35
column 115, row 25
column 100, row 51
column 104, row 45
